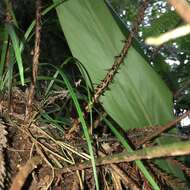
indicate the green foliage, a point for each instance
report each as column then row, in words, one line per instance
column 18, row 56
column 165, row 22
column 136, row 85
column 81, row 119
column 129, row 149
column 137, row 97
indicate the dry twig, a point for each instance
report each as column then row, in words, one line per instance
column 161, row 129
column 25, row 170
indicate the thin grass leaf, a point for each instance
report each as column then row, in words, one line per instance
column 49, row 119
column 56, row 74
column 10, row 69
column 82, row 121
column 15, row 43
column 3, row 57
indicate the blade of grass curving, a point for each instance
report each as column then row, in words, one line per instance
column 82, row 120
column 10, row 69
column 88, row 81
column 15, row 43
column 3, row 57
column 85, row 74
column 56, row 74
column 88, row 84
column 50, row 78
column 129, row 149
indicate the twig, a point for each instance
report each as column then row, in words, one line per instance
column 163, row 128
column 174, row 149
column 36, row 54
column 25, row 170
column 182, row 8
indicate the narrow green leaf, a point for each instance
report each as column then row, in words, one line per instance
column 82, row 121
column 15, row 43
column 3, row 56
column 129, row 149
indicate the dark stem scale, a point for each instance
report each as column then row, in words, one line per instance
column 104, row 85
column 101, row 88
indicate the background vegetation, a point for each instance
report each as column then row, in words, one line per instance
column 87, row 102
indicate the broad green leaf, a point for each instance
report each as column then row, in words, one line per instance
column 129, row 149
column 137, row 96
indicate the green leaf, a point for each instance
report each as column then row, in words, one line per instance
column 18, row 56
column 137, row 96
column 81, row 119
column 3, row 56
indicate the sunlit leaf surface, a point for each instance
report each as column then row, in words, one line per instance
column 137, row 97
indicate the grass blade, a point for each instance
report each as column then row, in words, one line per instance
column 129, row 149
column 15, row 43
column 82, row 121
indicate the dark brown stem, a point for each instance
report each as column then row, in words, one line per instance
column 36, row 54
column 100, row 89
